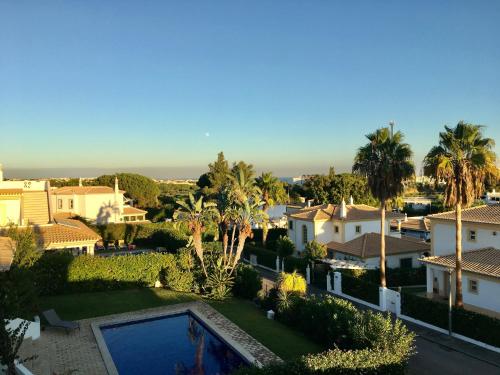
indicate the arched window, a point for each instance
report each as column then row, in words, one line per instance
column 304, row 234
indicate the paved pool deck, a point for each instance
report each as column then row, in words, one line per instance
column 78, row 352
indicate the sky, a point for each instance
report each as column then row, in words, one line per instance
column 290, row 86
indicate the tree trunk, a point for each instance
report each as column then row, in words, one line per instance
column 458, row 254
column 265, row 230
column 382, row 244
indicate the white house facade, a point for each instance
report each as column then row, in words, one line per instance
column 98, row 204
column 480, row 257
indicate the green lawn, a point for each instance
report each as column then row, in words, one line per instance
column 282, row 340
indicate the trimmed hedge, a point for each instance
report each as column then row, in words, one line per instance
column 60, row 272
column 247, row 282
column 394, row 276
column 264, row 257
column 360, row 289
column 468, row 323
column 272, row 236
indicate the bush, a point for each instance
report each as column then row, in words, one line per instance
column 296, row 264
column 284, row 247
column 363, row 342
column 60, row 272
column 474, row 325
column 291, row 283
column 247, row 282
column 272, row 236
column 160, row 235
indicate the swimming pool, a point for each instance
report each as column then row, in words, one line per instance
column 173, row 344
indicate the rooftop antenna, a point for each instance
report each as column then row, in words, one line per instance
column 391, row 124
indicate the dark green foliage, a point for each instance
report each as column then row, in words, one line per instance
column 59, row 272
column 362, row 342
column 358, row 288
column 143, row 190
column 247, row 282
column 264, row 257
column 284, row 247
column 178, row 273
column 476, row 326
column 26, row 249
column 395, row 276
column 296, row 264
column 315, row 251
column 332, row 188
column 146, row 235
column 272, row 236
column 176, row 190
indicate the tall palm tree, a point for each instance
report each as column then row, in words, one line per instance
column 197, row 215
column 273, row 192
column 386, row 163
column 462, row 159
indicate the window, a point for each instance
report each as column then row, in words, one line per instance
column 290, row 225
column 473, row 286
column 336, row 228
column 405, row 263
column 70, row 203
column 304, row 234
column 358, row 228
column 59, row 203
column 472, row 235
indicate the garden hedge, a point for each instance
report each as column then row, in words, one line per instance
column 474, row 325
column 361, row 289
column 272, row 236
column 356, row 342
column 60, row 272
column 264, row 257
column 395, row 276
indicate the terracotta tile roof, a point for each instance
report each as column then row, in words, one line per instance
column 133, row 211
column 368, row 246
column 11, row 191
column 414, row 224
column 482, row 261
column 329, row 212
column 480, row 214
column 7, row 248
column 82, row 190
column 65, row 231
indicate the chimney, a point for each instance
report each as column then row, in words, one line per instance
column 351, row 201
column 116, row 185
column 406, row 217
column 309, row 202
column 343, row 210
column 80, row 182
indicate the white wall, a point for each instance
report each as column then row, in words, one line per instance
column 443, row 237
column 372, row 226
column 296, row 234
column 488, row 295
column 10, row 211
column 324, row 231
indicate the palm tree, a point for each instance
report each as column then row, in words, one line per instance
column 462, row 159
column 273, row 192
column 197, row 215
column 386, row 163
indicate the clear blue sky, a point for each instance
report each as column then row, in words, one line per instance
column 291, row 86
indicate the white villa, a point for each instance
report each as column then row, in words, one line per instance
column 351, row 233
column 480, row 257
column 26, row 203
column 98, row 204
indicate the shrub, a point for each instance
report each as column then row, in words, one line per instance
column 474, row 325
column 60, row 272
column 296, row 264
column 395, row 276
column 315, row 251
column 291, row 283
column 284, row 246
column 363, row 342
column 247, row 282
column 272, row 236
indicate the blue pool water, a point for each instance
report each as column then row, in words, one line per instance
column 175, row 344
